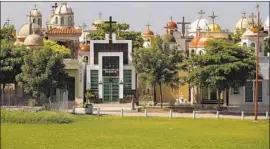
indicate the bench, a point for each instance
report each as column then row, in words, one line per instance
column 208, row 101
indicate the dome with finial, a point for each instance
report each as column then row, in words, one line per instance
column 35, row 12
column 214, row 28
column 148, row 32
column 63, row 8
column 172, row 25
column 199, row 23
column 99, row 20
column 242, row 23
column 24, row 30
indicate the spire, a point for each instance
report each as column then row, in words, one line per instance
column 201, row 13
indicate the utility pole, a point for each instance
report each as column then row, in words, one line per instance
column 257, row 66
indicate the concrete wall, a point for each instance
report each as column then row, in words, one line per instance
column 239, row 99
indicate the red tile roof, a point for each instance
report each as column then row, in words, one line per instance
column 70, row 30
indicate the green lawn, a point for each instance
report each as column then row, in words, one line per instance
column 107, row 132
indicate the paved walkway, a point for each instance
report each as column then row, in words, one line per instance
column 174, row 115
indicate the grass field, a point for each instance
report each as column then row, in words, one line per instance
column 107, row 132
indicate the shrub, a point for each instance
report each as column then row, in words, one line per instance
column 44, row 117
column 32, row 102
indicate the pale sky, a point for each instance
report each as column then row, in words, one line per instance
column 138, row 14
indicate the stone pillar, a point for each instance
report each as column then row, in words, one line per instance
column 121, row 76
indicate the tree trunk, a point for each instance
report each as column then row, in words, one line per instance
column 161, row 102
column 15, row 99
column 2, row 93
column 218, row 92
column 154, row 94
column 227, row 97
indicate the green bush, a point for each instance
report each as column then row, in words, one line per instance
column 32, row 102
column 44, row 117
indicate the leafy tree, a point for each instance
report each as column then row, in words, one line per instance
column 122, row 32
column 266, row 46
column 236, row 36
column 7, row 32
column 57, row 48
column 225, row 65
column 42, row 72
column 157, row 66
column 11, row 59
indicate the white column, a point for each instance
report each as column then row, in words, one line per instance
column 133, row 81
column 100, row 86
column 121, row 78
column 88, row 78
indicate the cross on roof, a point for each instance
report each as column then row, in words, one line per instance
column 244, row 14
column 54, row 6
column 199, row 30
column 110, row 28
column 8, row 21
column 99, row 15
column 148, row 26
column 252, row 17
column 35, row 6
column 201, row 13
column 213, row 16
column 183, row 25
column 167, row 27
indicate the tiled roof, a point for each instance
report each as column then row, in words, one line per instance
column 69, row 30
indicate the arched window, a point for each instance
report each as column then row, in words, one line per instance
column 252, row 44
column 244, row 44
column 69, row 21
column 39, row 22
column 62, row 20
column 34, row 20
column 56, row 20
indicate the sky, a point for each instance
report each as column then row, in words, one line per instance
column 138, row 14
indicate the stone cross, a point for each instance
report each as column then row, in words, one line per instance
column 35, row 6
column 183, row 25
column 110, row 28
column 252, row 17
column 8, row 21
column 198, row 30
column 99, row 15
column 201, row 13
column 167, row 28
column 148, row 26
column 244, row 14
column 213, row 19
column 55, row 6
column 171, row 18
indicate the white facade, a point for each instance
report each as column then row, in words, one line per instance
column 99, row 67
